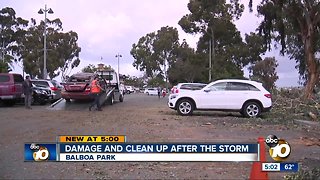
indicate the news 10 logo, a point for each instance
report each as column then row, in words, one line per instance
column 40, row 153
column 279, row 149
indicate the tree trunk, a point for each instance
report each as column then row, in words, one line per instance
column 312, row 68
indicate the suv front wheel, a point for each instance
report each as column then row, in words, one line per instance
column 251, row 109
column 185, row 107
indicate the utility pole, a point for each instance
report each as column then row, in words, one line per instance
column 118, row 56
column 210, row 60
column 212, row 45
column 2, row 49
column 45, row 11
column 213, row 50
column 165, row 73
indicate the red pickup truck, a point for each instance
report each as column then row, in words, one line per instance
column 11, row 88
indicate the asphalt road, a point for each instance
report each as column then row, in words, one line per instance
column 141, row 118
column 136, row 100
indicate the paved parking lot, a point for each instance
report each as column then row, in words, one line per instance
column 141, row 118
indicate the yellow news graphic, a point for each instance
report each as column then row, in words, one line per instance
column 93, row 139
column 279, row 149
column 280, row 152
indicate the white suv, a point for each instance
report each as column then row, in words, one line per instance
column 249, row 98
column 129, row 89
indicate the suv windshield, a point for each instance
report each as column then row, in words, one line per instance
column 41, row 83
column 108, row 77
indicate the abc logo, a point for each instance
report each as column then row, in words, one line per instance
column 279, row 148
column 40, row 153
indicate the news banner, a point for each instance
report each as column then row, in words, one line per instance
column 114, row 148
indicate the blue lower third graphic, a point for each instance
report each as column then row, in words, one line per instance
column 40, row 152
column 289, row 167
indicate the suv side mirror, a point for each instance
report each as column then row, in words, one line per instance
column 207, row 90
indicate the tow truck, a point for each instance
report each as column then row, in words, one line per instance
column 114, row 90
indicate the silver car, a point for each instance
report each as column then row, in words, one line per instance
column 54, row 86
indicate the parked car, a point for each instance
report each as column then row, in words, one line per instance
column 142, row 90
column 41, row 95
column 249, row 98
column 187, row 87
column 11, row 88
column 54, row 86
column 129, row 89
column 77, row 87
column 151, row 91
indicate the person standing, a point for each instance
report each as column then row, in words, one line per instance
column 27, row 91
column 95, row 92
column 164, row 93
column 159, row 91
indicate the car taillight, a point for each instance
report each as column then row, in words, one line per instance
column 268, row 95
column 54, row 88
column 177, row 90
column 88, row 89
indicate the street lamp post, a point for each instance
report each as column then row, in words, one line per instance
column 2, row 45
column 45, row 11
column 210, row 56
column 118, row 56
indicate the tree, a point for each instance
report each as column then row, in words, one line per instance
column 144, row 55
column 165, row 46
column 265, row 72
column 62, row 50
column 155, row 50
column 296, row 26
column 89, row 69
column 188, row 66
column 4, row 67
column 92, row 68
column 12, row 30
column 214, row 21
column 156, row 81
column 134, row 81
column 206, row 14
column 67, row 53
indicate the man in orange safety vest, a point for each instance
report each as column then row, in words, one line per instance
column 95, row 92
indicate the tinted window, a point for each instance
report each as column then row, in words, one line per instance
column 252, row 88
column 4, row 78
column 238, row 86
column 108, row 77
column 18, row 79
column 41, row 83
column 79, row 79
column 219, row 86
column 192, row 86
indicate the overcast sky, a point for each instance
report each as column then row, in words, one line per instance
column 108, row 27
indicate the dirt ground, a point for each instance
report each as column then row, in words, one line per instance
column 142, row 118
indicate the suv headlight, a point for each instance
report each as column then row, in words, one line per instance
column 38, row 91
